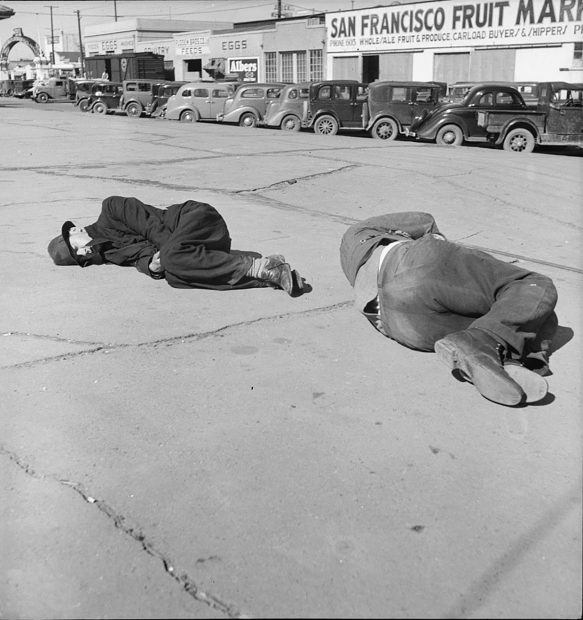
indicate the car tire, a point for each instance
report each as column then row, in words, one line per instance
column 99, row 108
column 248, row 120
column 519, row 141
column 83, row 105
column 291, row 123
column 385, row 129
column 42, row 98
column 134, row 110
column 188, row 116
column 326, row 125
column 450, row 135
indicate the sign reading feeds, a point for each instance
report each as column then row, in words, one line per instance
column 454, row 23
column 246, row 68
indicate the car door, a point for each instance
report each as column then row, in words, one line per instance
column 217, row 100
column 346, row 105
column 400, row 104
column 565, row 114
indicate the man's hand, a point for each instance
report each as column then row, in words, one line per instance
column 155, row 266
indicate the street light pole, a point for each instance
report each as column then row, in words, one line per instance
column 80, row 43
column 50, row 6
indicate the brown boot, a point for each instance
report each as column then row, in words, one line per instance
column 476, row 357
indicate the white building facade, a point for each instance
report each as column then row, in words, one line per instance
column 458, row 41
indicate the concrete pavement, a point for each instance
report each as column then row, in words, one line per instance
column 175, row 453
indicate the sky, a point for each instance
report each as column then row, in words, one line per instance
column 34, row 17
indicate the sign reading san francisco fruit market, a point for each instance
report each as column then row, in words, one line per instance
column 451, row 23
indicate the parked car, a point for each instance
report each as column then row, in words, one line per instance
column 334, row 105
column 23, row 89
column 83, row 91
column 55, row 88
column 497, row 113
column 105, row 98
column 160, row 95
column 246, row 106
column 198, row 101
column 452, row 123
column 392, row 105
column 137, row 95
column 290, row 109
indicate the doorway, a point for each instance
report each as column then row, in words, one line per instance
column 370, row 68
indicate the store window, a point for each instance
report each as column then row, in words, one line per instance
column 271, row 66
column 578, row 55
column 316, row 65
column 293, row 67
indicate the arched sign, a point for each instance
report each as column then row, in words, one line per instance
column 17, row 37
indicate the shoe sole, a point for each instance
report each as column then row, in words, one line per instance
column 533, row 385
column 485, row 378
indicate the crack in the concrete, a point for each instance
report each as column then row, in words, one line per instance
column 51, row 338
column 171, row 341
column 296, row 179
column 136, row 533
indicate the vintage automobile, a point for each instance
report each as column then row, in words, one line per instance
column 497, row 113
column 137, row 95
column 105, row 98
column 160, row 95
column 199, row 101
column 334, row 105
column 55, row 88
column 289, row 110
column 452, row 123
column 84, row 90
column 392, row 105
column 458, row 90
column 246, row 106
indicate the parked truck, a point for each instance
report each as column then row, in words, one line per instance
column 497, row 113
column 128, row 66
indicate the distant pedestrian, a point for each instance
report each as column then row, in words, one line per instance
column 188, row 244
column 491, row 322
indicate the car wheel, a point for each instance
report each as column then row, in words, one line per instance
column 133, row 110
column 385, row 129
column 83, row 105
column 188, row 116
column 326, row 126
column 42, row 97
column 291, row 123
column 519, row 141
column 99, row 108
column 248, row 120
column 451, row 135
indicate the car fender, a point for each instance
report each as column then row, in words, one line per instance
column 518, row 123
column 234, row 115
column 377, row 117
column 429, row 128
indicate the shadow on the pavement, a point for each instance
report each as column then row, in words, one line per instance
column 561, row 337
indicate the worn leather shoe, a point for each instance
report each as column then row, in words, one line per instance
column 280, row 275
column 476, row 357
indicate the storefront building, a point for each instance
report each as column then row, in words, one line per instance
column 456, row 41
column 289, row 50
column 131, row 35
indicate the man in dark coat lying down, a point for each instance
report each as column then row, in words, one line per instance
column 489, row 321
column 188, row 244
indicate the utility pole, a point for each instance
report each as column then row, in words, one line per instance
column 279, row 9
column 115, row 9
column 80, row 43
column 51, row 6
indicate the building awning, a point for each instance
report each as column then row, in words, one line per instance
column 5, row 12
column 216, row 67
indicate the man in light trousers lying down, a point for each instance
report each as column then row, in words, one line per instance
column 489, row 321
